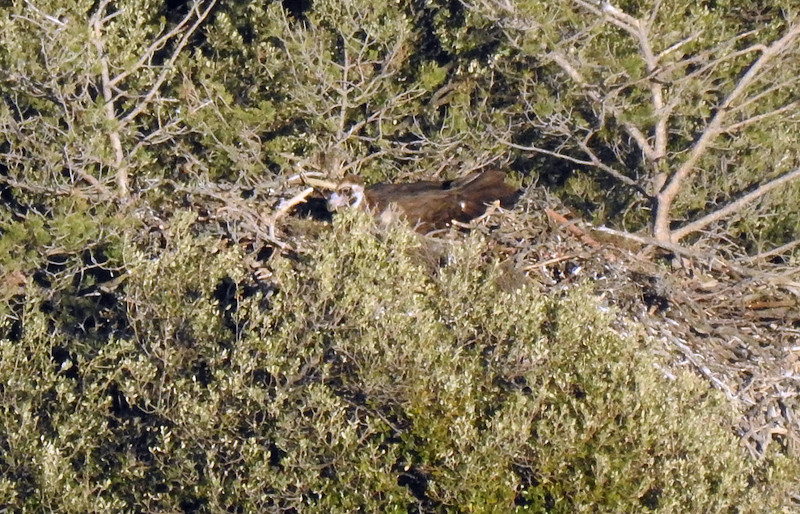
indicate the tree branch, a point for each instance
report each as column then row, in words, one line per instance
column 754, row 119
column 109, row 85
column 670, row 190
column 593, row 161
column 775, row 251
column 167, row 67
column 155, row 46
column 713, row 128
column 707, row 220
column 96, row 22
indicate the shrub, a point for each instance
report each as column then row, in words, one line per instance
column 360, row 377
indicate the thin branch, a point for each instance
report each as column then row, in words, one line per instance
column 167, row 67
column 676, row 46
column 619, row 18
column 640, row 31
column 111, row 115
column 670, row 190
column 754, row 119
column 611, row 171
column 36, row 189
column 631, row 129
column 712, row 130
column 49, row 18
column 715, row 262
column 547, row 152
column 87, row 177
column 641, row 139
column 285, row 206
column 775, row 251
column 734, row 206
column 763, row 93
column 571, row 227
column 150, row 51
column 653, row 13
column 593, row 161
column 701, row 64
column 573, row 72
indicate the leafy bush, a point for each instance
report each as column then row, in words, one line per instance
column 360, row 377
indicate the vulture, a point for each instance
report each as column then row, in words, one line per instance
column 428, row 205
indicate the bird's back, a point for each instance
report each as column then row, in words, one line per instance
column 432, row 205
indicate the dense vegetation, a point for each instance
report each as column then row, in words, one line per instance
column 168, row 344
column 359, row 379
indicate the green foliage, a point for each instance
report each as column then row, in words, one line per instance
column 68, row 248
column 15, row 245
column 360, row 379
column 59, row 60
column 163, row 377
column 355, row 82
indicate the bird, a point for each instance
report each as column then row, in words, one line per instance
column 428, row 205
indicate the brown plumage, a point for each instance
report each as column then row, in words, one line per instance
column 428, row 204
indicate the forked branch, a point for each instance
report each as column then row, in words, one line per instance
column 108, row 84
column 715, row 128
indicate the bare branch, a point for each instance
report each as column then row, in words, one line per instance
column 653, row 13
column 49, row 18
column 111, row 116
column 625, row 19
column 593, row 161
column 641, row 139
column 285, row 206
column 109, row 85
column 707, row 220
column 36, row 189
column 631, row 129
column 715, row 262
column 154, row 47
column 773, row 88
column 87, row 177
column 713, row 127
column 775, row 251
column 640, row 29
column 676, row 46
column 754, row 119
column 167, row 67
column 668, row 193
column 560, row 59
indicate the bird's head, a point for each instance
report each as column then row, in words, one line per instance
column 349, row 193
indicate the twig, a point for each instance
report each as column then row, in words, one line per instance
column 167, row 67
column 96, row 23
column 548, row 262
column 286, row 205
column 593, row 161
column 759, row 117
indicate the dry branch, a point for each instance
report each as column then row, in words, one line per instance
column 96, row 23
column 734, row 206
column 572, row 228
column 669, row 192
column 109, row 85
column 775, row 251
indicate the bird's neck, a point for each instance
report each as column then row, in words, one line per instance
column 358, row 196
